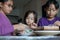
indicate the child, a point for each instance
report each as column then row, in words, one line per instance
column 30, row 20
column 51, row 9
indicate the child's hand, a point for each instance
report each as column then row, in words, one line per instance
column 33, row 26
column 57, row 23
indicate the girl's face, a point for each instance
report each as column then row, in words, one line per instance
column 30, row 19
column 51, row 11
column 7, row 6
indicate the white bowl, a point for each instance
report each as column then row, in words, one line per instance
column 47, row 33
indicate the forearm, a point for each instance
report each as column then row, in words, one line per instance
column 39, row 28
column 51, row 28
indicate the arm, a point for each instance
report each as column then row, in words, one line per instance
column 51, row 28
column 57, row 23
column 18, row 28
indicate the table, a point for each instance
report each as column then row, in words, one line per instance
column 29, row 38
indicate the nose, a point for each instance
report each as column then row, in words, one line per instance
column 51, row 11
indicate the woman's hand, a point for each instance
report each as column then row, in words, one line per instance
column 19, row 26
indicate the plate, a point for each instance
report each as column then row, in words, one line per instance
column 47, row 33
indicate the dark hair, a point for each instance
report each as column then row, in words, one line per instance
column 47, row 6
column 52, row 2
column 27, row 13
column 3, row 1
column 43, row 11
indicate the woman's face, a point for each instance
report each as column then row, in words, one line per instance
column 51, row 11
column 30, row 19
column 7, row 6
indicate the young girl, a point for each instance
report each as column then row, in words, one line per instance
column 30, row 20
column 50, row 16
column 5, row 26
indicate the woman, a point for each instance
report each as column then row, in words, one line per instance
column 6, row 27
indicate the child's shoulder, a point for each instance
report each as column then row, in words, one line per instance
column 58, row 18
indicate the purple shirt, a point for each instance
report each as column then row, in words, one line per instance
column 45, row 22
column 5, row 26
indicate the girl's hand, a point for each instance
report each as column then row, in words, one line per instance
column 57, row 23
column 33, row 26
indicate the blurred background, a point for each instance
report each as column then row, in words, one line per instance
column 21, row 6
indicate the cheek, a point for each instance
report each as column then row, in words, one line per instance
column 47, row 12
column 26, row 20
column 29, row 21
column 32, row 21
column 54, row 13
column 5, row 8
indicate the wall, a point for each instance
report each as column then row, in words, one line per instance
column 33, row 5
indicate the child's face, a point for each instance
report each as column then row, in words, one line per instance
column 51, row 11
column 7, row 6
column 30, row 19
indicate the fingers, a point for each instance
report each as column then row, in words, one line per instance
column 34, row 24
column 57, row 23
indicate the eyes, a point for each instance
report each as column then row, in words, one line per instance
column 31, row 18
column 51, row 10
column 9, row 5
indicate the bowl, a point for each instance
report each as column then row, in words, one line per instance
column 47, row 33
